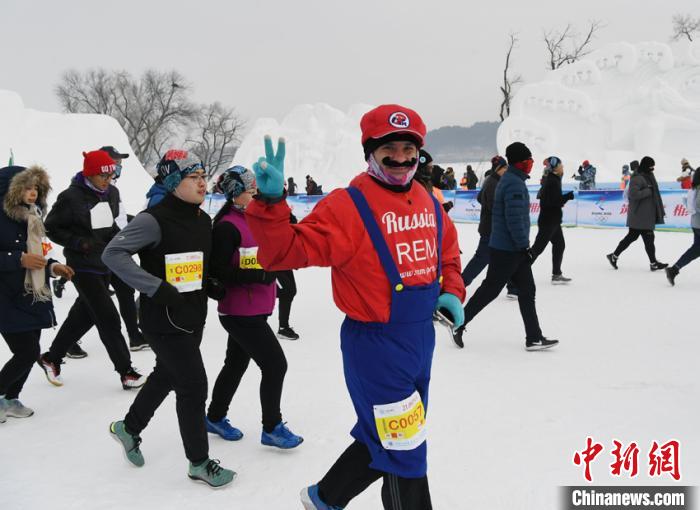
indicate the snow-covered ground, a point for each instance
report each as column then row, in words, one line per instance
column 504, row 423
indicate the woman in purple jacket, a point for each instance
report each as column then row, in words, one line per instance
column 243, row 311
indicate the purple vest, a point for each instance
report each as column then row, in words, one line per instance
column 250, row 298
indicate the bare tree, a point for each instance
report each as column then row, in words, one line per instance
column 215, row 137
column 684, row 25
column 151, row 110
column 566, row 47
column 508, row 82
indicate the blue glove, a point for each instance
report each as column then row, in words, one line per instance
column 453, row 305
column 269, row 171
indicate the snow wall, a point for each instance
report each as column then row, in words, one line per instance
column 57, row 141
column 322, row 141
column 619, row 103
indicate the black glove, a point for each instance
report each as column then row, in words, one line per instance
column 530, row 255
column 447, row 206
column 570, row 195
column 215, row 289
column 255, row 276
column 168, row 295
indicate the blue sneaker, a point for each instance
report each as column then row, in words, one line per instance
column 281, row 437
column 312, row 501
column 224, row 429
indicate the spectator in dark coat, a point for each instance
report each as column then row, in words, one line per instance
column 472, row 179
column 646, row 210
column 510, row 256
column 552, row 200
column 586, row 174
column 291, row 187
column 25, row 296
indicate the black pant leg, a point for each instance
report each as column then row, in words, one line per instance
column 127, row 306
column 235, row 365
column 256, row 338
column 94, row 292
column 478, row 262
column 286, row 290
column 75, row 326
column 400, row 493
column 25, row 350
column 545, row 231
column 502, row 265
column 526, row 298
column 632, row 235
column 179, row 367
column 648, row 238
column 348, row 477
column 558, row 246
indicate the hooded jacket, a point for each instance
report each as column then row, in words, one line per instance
column 18, row 312
column 646, row 209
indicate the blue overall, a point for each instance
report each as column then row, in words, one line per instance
column 387, row 362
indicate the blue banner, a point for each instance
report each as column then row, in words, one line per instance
column 596, row 208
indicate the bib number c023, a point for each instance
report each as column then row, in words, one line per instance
column 401, row 425
column 185, row 271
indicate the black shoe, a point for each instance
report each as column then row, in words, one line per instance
column 612, row 258
column 560, row 279
column 58, row 288
column 655, row 266
column 457, row 337
column 138, row 343
column 76, row 352
column 540, row 344
column 132, row 379
column 671, row 273
column 287, row 334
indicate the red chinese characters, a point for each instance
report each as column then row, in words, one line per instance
column 665, row 459
column 587, row 456
column 627, row 460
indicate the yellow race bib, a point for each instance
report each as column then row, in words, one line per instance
column 185, row 271
column 249, row 258
column 401, row 425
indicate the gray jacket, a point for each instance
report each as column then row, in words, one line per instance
column 646, row 210
column 695, row 218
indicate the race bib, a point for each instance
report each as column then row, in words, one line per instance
column 101, row 216
column 401, row 425
column 46, row 246
column 185, row 271
column 249, row 258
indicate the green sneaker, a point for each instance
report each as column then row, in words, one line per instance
column 128, row 441
column 212, row 473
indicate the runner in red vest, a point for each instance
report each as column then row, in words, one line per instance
column 394, row 257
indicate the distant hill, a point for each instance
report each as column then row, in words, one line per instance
column 458, row 143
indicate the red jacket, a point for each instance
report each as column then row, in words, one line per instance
column 334, row 235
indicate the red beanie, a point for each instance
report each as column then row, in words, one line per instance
column 391, row 120
column 97, row 162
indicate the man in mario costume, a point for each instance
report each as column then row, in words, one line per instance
column 394, row 257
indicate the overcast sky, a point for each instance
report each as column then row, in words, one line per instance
column 443, row 58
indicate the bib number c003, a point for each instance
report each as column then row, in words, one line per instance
column 401, row 425
column 185, row 271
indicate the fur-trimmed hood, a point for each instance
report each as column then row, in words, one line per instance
column 15, row 182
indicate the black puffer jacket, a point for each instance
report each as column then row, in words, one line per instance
column 18, row 312
column 82, row 221
column 485, row 198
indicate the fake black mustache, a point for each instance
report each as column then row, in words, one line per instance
column 387, row 161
